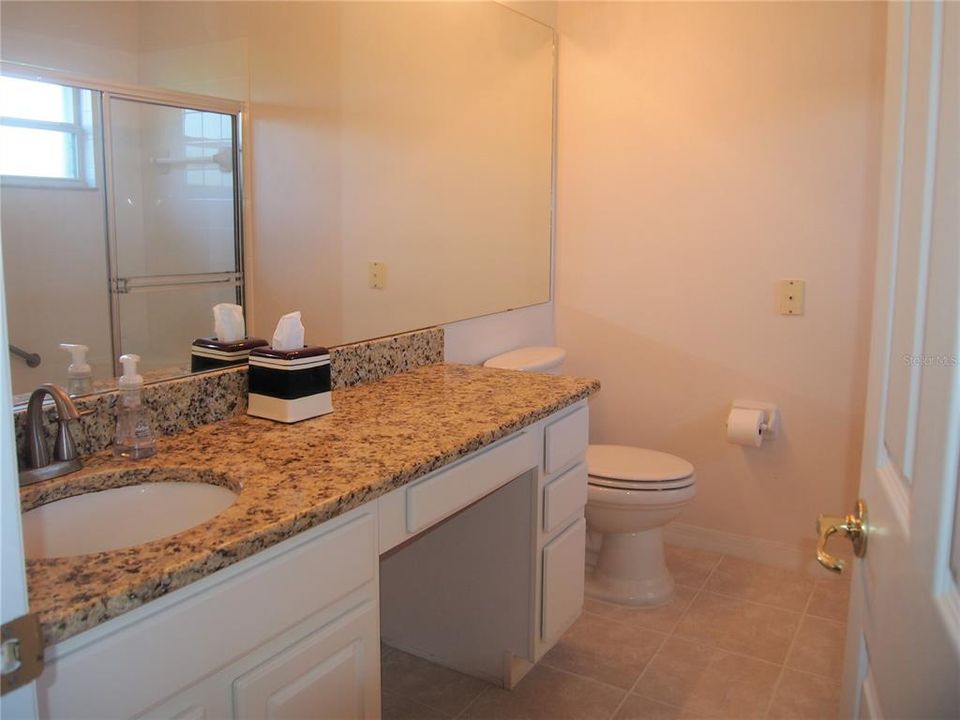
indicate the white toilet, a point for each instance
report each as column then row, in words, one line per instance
column 632, row 494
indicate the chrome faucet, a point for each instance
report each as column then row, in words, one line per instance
column 65, row 458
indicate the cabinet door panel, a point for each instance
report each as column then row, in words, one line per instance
column 563, row 580
column 332, row 673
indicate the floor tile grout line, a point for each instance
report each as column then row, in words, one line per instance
column 626, row 692
column 628, row 623
column 783, row 667
column 754, row 602
column 813, row 674
column 824, row 617
column 404, row 696
column 483, row 690
column 663, row 644
column 700, row 641
column 636, row 682
column 686, row 610
column 735, row 653
column 428, row 706
column 587, row 677
column 813, row 579
column 471, row 703
column 712, row 570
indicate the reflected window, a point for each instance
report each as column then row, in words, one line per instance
column 45, row 133
column 208, row 143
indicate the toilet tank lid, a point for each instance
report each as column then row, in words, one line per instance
column 622, row 462
column 529, row 358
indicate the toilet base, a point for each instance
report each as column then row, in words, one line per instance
column 631, row 570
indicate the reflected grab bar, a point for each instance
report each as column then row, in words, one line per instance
column 223, row 159
column 31, row 359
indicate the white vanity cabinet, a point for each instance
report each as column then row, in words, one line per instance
column 562, row 524
column 293, row 627
column 478, row 565
column 493, row 587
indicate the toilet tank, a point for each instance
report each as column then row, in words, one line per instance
column 533, row 359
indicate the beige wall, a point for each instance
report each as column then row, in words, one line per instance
column 61, row 268
column 707, row 150
column 95, row 39
column 445, row 175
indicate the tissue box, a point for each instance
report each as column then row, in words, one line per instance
column 211, row 354
column 289, row 385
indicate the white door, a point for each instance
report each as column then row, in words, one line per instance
column 22, row 702
column 903, row 646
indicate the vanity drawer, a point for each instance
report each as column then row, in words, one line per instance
column 564, row 496
column 450, row 490
column 565, row 440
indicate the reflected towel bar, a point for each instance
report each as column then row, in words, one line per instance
column 31, row 359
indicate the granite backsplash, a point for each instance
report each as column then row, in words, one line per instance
column 188, row 402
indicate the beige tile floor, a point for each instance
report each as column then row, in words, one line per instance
column 740, row 640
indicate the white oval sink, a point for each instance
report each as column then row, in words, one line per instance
column 120, row 517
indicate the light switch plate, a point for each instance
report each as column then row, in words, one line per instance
column 790, row 297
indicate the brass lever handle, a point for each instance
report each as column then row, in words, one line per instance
column 852, row 526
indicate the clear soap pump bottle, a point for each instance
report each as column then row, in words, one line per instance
column 134, row 438
column 79, row 373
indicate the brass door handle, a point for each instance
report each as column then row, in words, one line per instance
column 853, row 526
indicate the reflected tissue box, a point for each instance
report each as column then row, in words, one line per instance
column 289, row 385
column 208, row 353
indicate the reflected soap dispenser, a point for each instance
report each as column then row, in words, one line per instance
column 79, row 373
column 134, row 438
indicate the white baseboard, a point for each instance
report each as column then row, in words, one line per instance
column 769, row 552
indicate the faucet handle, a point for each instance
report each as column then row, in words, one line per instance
column 64, row 448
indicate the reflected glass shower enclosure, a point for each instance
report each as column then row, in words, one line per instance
column 121, row 223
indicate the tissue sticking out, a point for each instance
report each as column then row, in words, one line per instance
column 229, row 346
column 228, row 324
column 289, row 333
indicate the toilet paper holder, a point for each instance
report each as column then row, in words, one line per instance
column 771, row 414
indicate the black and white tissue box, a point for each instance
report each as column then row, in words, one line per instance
column 289, row 385
column 208, row 353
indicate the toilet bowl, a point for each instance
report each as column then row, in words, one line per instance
column 632, row 494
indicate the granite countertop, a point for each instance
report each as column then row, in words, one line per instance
column 380, row 436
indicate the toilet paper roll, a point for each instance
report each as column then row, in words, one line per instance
column 745, row 427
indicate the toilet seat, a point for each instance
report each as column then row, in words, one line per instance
column 637, row 469
column 640, row 486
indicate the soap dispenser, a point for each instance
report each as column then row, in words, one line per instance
column 134, row 438
column 79, row 373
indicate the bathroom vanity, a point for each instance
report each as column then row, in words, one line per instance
column 440, row 509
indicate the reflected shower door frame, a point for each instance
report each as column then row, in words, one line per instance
column 108, row 92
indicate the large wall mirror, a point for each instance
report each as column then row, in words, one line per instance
column 159, row 158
